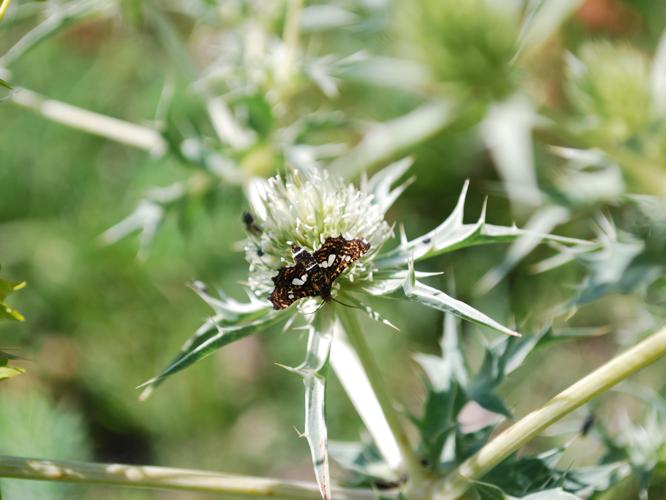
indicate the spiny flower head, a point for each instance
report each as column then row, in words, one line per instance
column 305, row 209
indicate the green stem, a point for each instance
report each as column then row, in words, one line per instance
column 619, row 368
column 286, row 83
column 356, row 338
column 145, row 476
column 291, row 31
column 69, row 13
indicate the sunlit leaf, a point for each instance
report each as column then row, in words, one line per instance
column 10, row 371
column 4, row 4
column 211, row 336
column 436, row 299
column 7, row 288
column 453, row 234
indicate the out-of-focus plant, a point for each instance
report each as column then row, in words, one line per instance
column 618, row 97
column 7, row 312
column 3, row 8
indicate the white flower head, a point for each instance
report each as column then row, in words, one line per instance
column 305, row 209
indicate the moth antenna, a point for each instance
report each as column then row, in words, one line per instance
column 346, row 305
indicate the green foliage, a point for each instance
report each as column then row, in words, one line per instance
column 451, row 386
column 8, row 371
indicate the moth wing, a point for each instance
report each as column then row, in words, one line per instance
column 337, row 254
column 285, row 292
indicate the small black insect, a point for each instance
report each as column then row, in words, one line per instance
column 250, row 225
column 587, row 424
column 314, row 273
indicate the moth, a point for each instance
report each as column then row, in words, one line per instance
column 314, row 273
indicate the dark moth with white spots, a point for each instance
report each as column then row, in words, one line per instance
column 314, row 273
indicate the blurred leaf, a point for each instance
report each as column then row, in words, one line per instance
column 658, row 79
column 616, row 268
column 388, row 72
column 485, row 491
column 364, row 461
column 507, row 132
column 381, row 184
column 6, row 288
column 544, row 220
column 541, row 21
column 316, row 18
column 589, row 177
column 447, row 394
column 258, row 112
column 552, row 494
column 10, row 371
column 5, row 84
column 387, row 140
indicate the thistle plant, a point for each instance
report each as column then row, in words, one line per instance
column 298, row 212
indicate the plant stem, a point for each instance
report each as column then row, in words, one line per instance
column 145, row 476
column 53, row 23
column 291, row 32
column 94, row 123
column 354, row 381
column 356, row 338
column 641, row 355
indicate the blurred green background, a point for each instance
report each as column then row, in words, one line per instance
column 99, row 321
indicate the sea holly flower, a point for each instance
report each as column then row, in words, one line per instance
column 299, row 212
